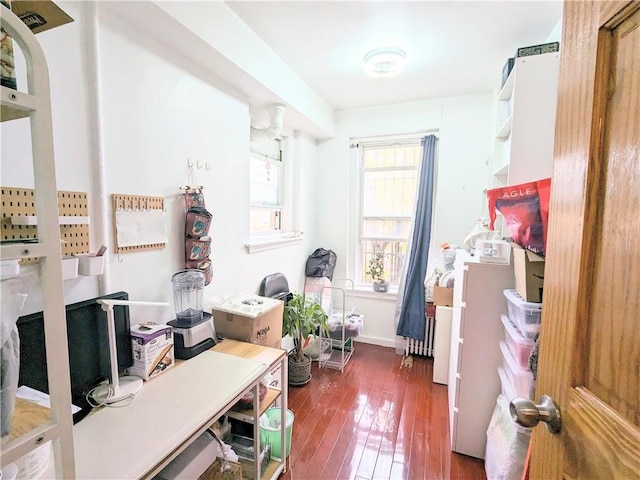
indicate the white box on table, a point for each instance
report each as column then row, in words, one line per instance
column 152, row 346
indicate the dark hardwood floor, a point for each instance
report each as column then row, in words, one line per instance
column 374, row 421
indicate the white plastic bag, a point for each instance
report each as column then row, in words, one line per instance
column 507, row 444
column 13, row 292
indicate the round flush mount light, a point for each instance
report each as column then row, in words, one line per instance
column 384, row 62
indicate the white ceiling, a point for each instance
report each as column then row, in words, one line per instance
column 453, row 47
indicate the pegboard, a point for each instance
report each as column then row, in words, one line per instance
column 138, row 223
column 21, row 202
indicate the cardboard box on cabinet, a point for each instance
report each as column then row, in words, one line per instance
column 251, row 319
column 529, row 274
column 443, row 296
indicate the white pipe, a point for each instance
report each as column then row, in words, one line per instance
column 100, row 196
column 276, row 114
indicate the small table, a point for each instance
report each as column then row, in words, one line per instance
column 172, row 410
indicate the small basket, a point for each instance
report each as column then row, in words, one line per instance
column 216, row 472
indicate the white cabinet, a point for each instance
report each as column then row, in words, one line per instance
column 526, row 115
column 476, row 331
column 36, row 105
column 442, row 344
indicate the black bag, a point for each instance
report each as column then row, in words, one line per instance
column 321, row 263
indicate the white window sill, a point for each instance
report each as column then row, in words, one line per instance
column 269, row 243
column 363, row 292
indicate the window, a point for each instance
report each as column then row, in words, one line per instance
column 272, row 204
column 266, row 174
column 388, row 182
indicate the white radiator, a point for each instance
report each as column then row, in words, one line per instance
column 416, row 347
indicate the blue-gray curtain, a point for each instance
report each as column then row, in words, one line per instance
column 412, row 317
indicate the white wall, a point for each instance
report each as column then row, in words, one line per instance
column 158, row 110
column 464, row 126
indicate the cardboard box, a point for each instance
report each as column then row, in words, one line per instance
column 152, row 345
column 251, row 319
column 39, row 15
column 443, row 296
column 529, row 272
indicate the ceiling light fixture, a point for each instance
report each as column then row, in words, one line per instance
column 384, row 62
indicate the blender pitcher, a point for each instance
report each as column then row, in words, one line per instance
column 187, row 295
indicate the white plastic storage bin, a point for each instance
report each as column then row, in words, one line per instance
column 509, row 393
column 69, row 267
column 90, row 264
column 519, row 345
column 521, row 379
column 524, row 315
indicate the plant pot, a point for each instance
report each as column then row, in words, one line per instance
column 299, row 372
column 380, row 286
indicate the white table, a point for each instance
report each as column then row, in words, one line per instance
column 171, row 410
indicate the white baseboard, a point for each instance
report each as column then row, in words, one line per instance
column 383, row 342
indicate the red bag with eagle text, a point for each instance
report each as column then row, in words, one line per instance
column 525, row 209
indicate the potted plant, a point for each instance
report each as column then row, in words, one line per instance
column 302, row 317
column 376, row 270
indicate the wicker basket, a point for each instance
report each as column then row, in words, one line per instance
column 215, row 472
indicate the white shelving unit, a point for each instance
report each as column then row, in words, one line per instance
column 337, row 348
column 526, row 114
column 36, row 105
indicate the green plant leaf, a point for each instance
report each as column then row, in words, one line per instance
column 302, row 317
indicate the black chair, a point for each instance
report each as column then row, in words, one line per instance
column 275, row 286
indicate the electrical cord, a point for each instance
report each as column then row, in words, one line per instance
column 106, row 402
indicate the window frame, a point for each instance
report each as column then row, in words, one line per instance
column 279, row 207
column 288, row 233
column 362, row 144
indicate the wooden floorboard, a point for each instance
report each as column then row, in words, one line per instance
column 375, row 420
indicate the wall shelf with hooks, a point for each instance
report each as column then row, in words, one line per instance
column 139, row 223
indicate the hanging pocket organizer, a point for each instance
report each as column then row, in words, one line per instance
column 198, row 222
column 197, row 245
column 197, row 249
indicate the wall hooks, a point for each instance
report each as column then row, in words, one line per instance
column 189, row 163
column 207, row 166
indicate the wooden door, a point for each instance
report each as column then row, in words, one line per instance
column 590, row 340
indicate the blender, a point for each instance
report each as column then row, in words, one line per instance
column 193, row 329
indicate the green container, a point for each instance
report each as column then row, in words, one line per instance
column 270, row 430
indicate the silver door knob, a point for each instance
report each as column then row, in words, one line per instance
column 526, row 413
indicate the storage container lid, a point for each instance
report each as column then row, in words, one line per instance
column 519, row 302
column 514, row 333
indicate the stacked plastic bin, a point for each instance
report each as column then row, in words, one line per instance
column 507, row 442
column 521, row 328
